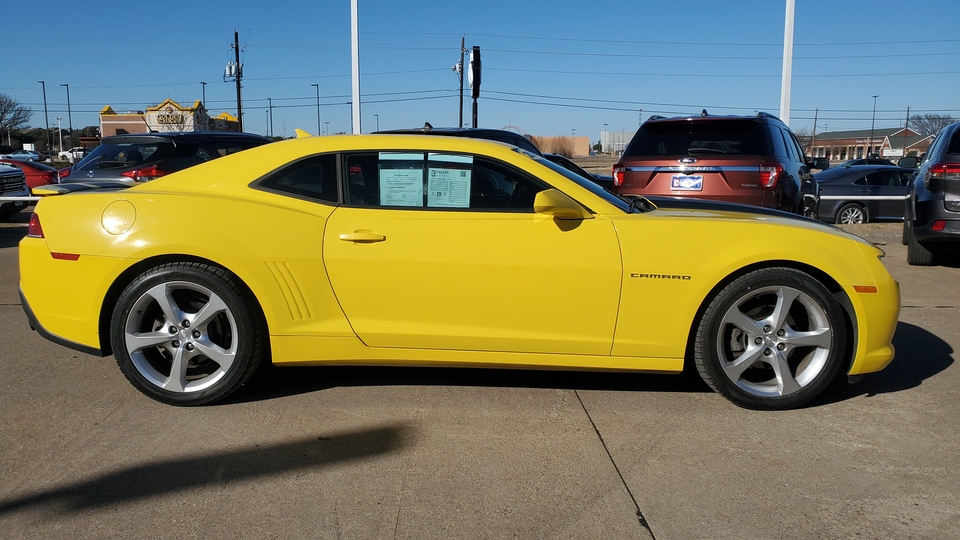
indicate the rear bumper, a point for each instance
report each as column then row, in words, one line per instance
column 928, row 213
column 35, row 325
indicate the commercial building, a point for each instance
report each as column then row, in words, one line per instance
column 886, row 142
column 166, row 116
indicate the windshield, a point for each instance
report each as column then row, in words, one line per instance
column 612, row 198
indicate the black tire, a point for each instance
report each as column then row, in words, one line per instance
column 905, row 235
column 852, row 213
column 808, row 339
column 160, row 319
column 917, row 253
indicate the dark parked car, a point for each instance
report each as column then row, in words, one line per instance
column 603, row 180
column 145, row 156
column 931, row 223
column 501, row 135
column 863, row 193
column 13, row 183
column 752, row 160
column 866, row 161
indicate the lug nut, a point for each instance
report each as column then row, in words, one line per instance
column 781, row 332
column 196, row 333
column 767, row 352
column 189, row 346
column 185, row 323
column 758, row 341
column 172, row 329
column 767, row 328
column 781, row 346
column 176, row 343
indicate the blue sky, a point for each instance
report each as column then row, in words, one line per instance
column 549, row 69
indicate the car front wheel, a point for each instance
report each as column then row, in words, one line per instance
column 771, row 339
column 187, row 333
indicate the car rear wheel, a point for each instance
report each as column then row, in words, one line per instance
column 187, row 333
column 772, row 339
column 917, row 253
column 852, row 214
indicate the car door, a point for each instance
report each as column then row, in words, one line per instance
column 441, row 251
column 886, row 193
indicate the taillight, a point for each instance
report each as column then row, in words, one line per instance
column 946, row 171
column 618, row 171
column 63, row 173
column 939, row 225
column 35, row 230
column 770, row 174
column 144, row 174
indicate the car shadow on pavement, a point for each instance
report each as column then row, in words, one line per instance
column 220, row 467
column 920, row 356
column 275, row 382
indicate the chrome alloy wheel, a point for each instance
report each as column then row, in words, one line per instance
column 774, row 341
column 852, row 215
column 181, row 336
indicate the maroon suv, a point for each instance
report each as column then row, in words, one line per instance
column 752, row 160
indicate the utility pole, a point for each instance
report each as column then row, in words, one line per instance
column 872, row 119
column 317, row 86
column 236, row 50
column 813, row 137
column 46, row 117
column 906, row 126
column 270, row 106
column 459, row 70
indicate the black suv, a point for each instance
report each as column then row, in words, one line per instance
column 931, row 222
column 144, row 156
column 753, row 160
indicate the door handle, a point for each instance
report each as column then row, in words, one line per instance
column 363, row 237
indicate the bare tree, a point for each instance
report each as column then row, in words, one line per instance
column 804, row 137
column 928, row 124
column 13, row 115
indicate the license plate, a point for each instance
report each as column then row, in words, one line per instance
column 685, row 182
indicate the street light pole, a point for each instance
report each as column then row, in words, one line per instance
column 319, row 130
column 60, row 131
column 328, row 127
column 602, row 137
column 270, row 105
column 872, row 118
column 377, row 116
column 69, row 114
column 46, row 117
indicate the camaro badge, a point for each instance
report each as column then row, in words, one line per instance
column 660, row 276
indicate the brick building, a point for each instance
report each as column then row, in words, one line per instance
column 166, row 116
column 886, row 142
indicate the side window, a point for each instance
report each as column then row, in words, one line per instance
column 883, row 179
column 796, row 151
column 215, row 149
column 862, row 181
column 312, row 178
column 435, row 180
column 779, row 149
column 933, row 150
column 905, row 178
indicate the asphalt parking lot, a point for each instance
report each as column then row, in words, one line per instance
column 446, row 453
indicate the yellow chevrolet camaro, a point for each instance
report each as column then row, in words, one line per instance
column 435, row 251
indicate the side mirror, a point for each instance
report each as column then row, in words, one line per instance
column 821, row 163
column 909, row 162
column 554, row 203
